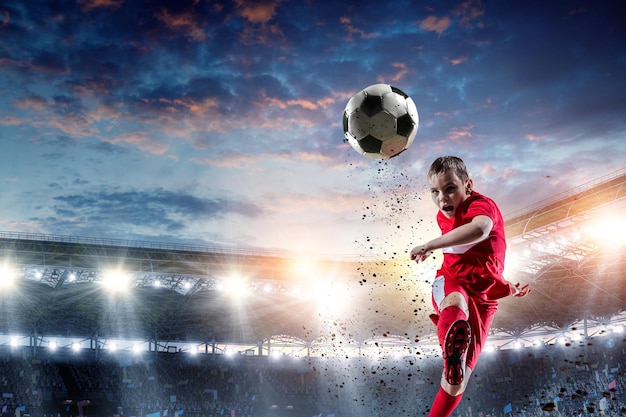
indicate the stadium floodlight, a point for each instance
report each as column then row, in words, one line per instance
column 72, row 277
column 8, row 275
column 112, row 347
column 116, row 280
column 518, row 344
column 75, row 347
column 236, row 286
column 52, row 345
column 489, row 348
column 136, row 349
column 14, row 342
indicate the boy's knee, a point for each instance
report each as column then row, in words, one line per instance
column 455, row 299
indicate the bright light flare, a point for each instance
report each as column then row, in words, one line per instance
column 306, row 270
column 331, row 299
column 236, row 287
column 607, row 230
column 116, row 280
column 8, row 275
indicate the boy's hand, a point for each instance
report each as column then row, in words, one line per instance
column 517, row 291
column 419, row 253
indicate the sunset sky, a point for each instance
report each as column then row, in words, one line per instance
column 218, row 123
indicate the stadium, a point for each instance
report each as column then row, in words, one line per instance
column 106, row 327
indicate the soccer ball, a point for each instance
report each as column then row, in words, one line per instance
column 380, row 121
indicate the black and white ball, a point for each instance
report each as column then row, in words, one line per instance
column 380, row 121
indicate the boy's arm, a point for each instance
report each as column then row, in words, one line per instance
column 473, row 232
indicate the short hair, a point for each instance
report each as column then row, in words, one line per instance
column 446, row 163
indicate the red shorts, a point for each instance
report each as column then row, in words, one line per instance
column 481, row 313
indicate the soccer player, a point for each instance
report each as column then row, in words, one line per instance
column 469, row 282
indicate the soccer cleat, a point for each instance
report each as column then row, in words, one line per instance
column 454, row 353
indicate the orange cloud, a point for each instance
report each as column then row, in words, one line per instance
column 35, row 103
column 256, row 11
column 435, row 24
column 461, row 133
column 184, row 22
column 11, row 121
column 533, row 138
column 347, row 23
column 458, row 61
column 141, row 141
column 402, row 71
column 89, row 5
column 283, row 104
column 468, row 11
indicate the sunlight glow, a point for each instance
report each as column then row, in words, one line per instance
column 608, row 230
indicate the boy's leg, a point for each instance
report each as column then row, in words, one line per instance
column 453, row 331
column 444, row 404
column 454, row 347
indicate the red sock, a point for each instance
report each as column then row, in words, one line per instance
column 444, row 404
column 447, row 317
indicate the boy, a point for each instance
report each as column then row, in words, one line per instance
column 469, row 281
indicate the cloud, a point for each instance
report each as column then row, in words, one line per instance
column 469, row 11
column 459, row 60
column 402, row 71
column 257, row 11
column 353, row 30
column 89, row 5
column 155, row 208
column 141, row 140
column 435, row 24
column 185, row 22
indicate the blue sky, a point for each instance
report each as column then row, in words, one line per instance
column 219, row 122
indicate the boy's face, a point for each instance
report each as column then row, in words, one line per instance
column 448, row 191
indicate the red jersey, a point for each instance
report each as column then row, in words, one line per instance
column 477, row 266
